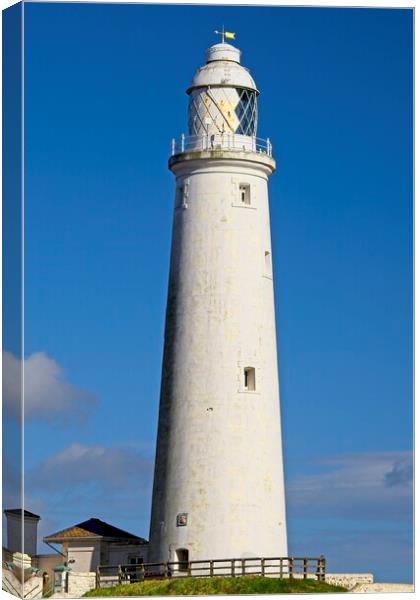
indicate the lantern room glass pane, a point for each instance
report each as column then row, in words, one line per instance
column 219, row 110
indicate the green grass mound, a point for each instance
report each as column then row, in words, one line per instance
column 189, row 586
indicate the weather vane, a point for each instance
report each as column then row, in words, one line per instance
column 225, row 34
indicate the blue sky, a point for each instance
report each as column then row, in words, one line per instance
column 104, row 95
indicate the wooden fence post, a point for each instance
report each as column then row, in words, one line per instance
column 290, row 568
column 323, row 567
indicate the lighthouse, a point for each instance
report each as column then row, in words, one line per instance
column 218, row 483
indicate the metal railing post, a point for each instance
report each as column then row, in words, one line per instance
column 232, row 567
column 243, row 566
column 98, row 578
column 119, row 574
column 211, row 568
column 263, row 567
column 305, row 568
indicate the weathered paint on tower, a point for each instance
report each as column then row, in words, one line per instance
column 218, row 487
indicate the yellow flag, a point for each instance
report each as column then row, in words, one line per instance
column 229, row 35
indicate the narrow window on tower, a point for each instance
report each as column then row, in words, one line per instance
column 249, row 379
column 245, row 193
column 179, row 200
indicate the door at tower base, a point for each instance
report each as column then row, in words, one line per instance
column 218, row 487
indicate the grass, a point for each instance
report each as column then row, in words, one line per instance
column 207, row 586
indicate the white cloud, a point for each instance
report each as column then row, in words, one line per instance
column 98, row 467
column 83, row 481
column 355, row 486
column 48, row 394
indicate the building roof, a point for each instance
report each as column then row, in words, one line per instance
column 92, row 528
column 18, row 511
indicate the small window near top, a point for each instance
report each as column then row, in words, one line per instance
column 245, row 193
column 249, row 379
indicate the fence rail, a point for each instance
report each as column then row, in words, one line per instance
column 225, row 141
column 279, row 567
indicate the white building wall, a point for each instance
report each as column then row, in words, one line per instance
column 120, row 554
column 219, row 455
column 82, row 556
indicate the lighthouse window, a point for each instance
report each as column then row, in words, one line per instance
column 246, row 112
column 179, row 196
column 249, row 379
column 245, row 193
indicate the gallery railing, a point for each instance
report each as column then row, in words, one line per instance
column 222, row 141
column 283, row 567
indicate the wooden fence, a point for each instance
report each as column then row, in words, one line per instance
column 283, row 567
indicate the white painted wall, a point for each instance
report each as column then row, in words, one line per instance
column 86, row 555
column 120, row 554
column 219, row 455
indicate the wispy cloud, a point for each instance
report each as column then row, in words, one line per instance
column 357, row 510
column 48, row 394
column 79, row 465
column 401, row 474
column 82, row 481
column 355, row 486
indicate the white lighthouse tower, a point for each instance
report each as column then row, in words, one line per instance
column 218, row 486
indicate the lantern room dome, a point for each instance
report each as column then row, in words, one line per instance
column 223, row 69
column 223, row 52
